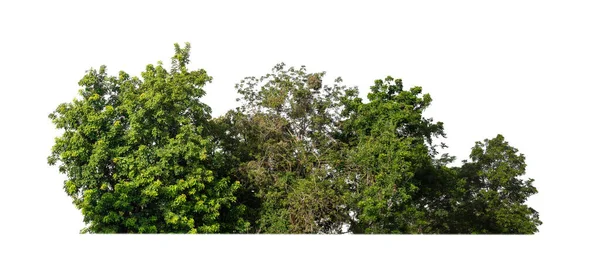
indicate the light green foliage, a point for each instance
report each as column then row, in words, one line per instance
column 135, row 153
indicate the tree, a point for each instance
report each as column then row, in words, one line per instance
column 281, row 144
column 136, row 153
column 492, row 195
column 390, row 145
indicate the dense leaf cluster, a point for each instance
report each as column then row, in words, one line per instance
column 144, row 155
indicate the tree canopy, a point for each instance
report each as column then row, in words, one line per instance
column 144, row 155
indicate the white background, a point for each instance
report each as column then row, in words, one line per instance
column 525, row 69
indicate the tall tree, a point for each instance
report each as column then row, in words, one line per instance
column 135, row 152
column 390, row 143
column 282, row 139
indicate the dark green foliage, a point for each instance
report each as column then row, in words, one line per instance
column 491, row 196
column 143, row 155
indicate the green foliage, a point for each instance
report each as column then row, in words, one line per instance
column 390, row 144
column 143, row 155
column 136, row 153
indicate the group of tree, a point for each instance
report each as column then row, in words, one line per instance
column 144, row 155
